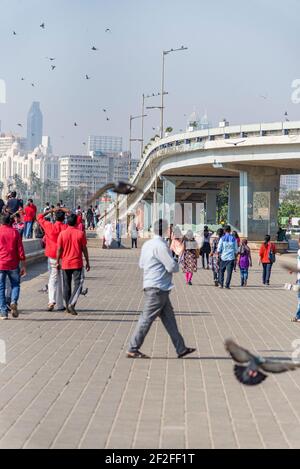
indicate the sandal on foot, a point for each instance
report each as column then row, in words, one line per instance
column 136, row 354
column 187, row 352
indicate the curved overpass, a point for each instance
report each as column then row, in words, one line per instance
column 192, row 167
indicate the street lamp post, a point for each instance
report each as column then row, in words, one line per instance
column 143, row 111
column 164, row 53
column 131, row 118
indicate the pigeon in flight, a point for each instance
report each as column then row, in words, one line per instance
column 20, row 125
column 108, row 30
column 42, row 25
column 75, row 124
column 120, row 187
column 22, row 79
column 83, row 143
column 250, row 373
column 14, row 33
column 108, row 119
column 235, row 143
column 94, row 48
column 53, row 67
column 87, row 77
column 32, row 84
column 50, row 58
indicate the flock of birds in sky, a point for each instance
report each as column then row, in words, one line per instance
column 53, row 67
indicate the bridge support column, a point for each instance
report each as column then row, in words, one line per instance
column 211, row 207
column 259, row 202
column 169, row 193
column 234, row 205
column 147, row 215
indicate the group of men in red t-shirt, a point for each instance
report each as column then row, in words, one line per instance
column 65, row 246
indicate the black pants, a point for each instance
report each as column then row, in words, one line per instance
column 205, row 255
column 267, row 268
column 71, row 296
column 134, row 242
column 228, row 266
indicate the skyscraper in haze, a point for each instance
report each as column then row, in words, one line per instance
column 34, row 126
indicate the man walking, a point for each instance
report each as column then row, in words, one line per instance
column 11, row 255
column 29, row 218
column 52, row 231
column 71, row 245
column 158, row 265
column 228, row 249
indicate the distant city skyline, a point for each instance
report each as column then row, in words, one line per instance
column 240, row 64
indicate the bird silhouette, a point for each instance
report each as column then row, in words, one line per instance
column 87, row 77
column 20, row 125
column 108, row 30
column 104, row 110
column 94, row 48
column 53, row 67
column 250, row 374
column 83, row 143
column 32, row 84
column 235, row 143
column 108, row 119
column 50, row 58
column 75, row 124
column 120, row 187
column 14, row 33
column 22, row 79
column 42, row 25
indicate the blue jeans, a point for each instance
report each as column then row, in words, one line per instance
column 244, row 276
column 228, row 266
column 14, row 278
column 266, row 273
column 28, row 229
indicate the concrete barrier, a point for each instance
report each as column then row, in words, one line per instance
column 33, row 250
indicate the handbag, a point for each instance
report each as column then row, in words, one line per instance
column 272, row 257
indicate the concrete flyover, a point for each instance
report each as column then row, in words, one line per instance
column 189, row 169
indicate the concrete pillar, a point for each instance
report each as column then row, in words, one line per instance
column 234, row 205
column 259, row 202
column 147, row 215
column 211, row 207
column 169, row 193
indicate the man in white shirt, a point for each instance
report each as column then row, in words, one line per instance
column 158, row 264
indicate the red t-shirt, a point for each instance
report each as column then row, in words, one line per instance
column 30, row 212
column 72, row 242
column 11, row 248
column 52, row 231
column 264, row 252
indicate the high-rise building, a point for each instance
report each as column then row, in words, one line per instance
column 6, row 142
column 34, row 126
column 290, row 182
column 107, row 145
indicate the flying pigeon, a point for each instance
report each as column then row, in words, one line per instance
column 104, row 110
column 14, row 33
column 124, row 188
column 250, row 374
column 32, row 84
column 94, row 48
column 42, row 25
column 75, row 124
column 235, row 143
column 50, row 58
column 83, row 143
column 22, row 79
column 87, row 77
column 108, row 30
column 20, row 125
column 108, row 119
column 53, row 67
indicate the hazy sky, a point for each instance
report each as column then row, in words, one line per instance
column 237, row 51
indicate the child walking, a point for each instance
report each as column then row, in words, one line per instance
column 189, row 257
column 244, row 262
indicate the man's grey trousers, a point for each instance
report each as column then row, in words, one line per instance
column 157, row 304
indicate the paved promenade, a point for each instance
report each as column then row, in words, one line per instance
column 68, row 384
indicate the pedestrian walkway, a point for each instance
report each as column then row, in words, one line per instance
column 68, row 384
